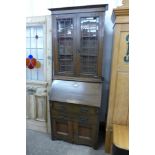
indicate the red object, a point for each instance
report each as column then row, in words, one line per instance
column 30, row 63
column 33, row 61
column 27, row 61
column 30, row 66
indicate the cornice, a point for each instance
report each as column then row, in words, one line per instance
column 121, row 10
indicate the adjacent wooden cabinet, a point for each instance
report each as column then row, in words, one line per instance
column 120, row 140
column 78, row 41
column 118, row 108
column 74, row 108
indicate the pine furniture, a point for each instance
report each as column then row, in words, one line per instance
column 118, row 107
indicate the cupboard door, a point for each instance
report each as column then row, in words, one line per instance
column 64, row 43
column 86, row 131
column 89, row 30
column 62, row 129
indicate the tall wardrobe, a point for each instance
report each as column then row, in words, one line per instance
column 118, row 107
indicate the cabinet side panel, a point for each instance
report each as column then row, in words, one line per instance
column 121, row 108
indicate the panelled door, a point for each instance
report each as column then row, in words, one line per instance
column 121, row 74
column 85, row 133
column 62, row 129
column 38, row 79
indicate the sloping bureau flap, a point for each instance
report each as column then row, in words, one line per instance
column 76, row 92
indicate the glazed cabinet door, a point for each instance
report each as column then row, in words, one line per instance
column 64, row 43
column 90, row 47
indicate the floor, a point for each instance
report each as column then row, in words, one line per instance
column 38, row 143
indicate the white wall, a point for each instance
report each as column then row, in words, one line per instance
column 40, row 7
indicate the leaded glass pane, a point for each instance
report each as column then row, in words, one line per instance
column 40, row 32
column 89, row 45
column 65, row 44
column 35, row 47
column 33, row 32
column 34, row 53
column 40, row 43
column 28, row 43
column 41, row 71
column 33, row 43
column 40, row 53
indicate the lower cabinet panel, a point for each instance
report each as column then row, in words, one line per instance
column 75, row 128
column 86, row 134
column 62, row 129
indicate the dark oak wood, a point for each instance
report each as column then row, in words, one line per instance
column 81, row 79
column 74, row 126
column 85, row 65
column 75, row 96
column 74, row 108
column 77, row 9
column 76, row 92
column 75, row 111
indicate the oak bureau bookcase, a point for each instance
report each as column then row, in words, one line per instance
column 75, row 96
